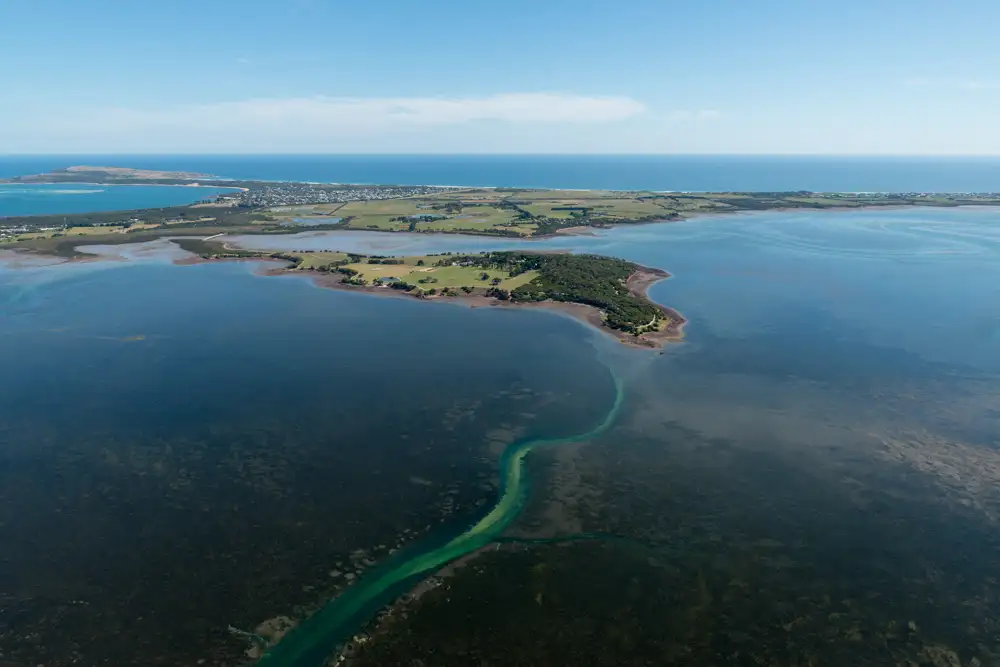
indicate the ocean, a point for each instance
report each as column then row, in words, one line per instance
column 716, row 173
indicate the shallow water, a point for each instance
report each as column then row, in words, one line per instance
column 826, row 434
column 189, row 447
column 816, row 469
column 872, row 276
column 57, row 198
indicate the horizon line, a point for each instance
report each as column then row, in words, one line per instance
column 444, row 154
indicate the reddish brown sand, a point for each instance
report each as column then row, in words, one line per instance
column 638, row 283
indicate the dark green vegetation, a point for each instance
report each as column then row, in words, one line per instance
column 588, row 279
column 209, row 250
column 517, row 277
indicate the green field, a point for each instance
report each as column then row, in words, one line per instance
column 488, row 211
column 319, row 260
column 428, row 276
column 485, row 211
column 76, row 231
column 494, row 211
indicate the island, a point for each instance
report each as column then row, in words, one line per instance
column 110, row 175
column 606, row 292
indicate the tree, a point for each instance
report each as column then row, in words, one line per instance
column 495, row 282
column 420, row 262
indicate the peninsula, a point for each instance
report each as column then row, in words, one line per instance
column 605, row 292
column 267, row 207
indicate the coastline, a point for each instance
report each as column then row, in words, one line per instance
column 592, row 230
column 639, row 284
column 637, row 281
column 147, row 185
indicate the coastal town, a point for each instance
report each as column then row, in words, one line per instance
column 243, row 196
column 265, row 195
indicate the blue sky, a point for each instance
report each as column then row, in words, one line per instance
column 538, row 76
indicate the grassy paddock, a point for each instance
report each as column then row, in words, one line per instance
column 320, row 260
column 438, row 277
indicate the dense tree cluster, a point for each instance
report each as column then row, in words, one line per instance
column 590, row 279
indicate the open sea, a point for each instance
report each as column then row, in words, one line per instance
column 716, row 173
column 812, row 477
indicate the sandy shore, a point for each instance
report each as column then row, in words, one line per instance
column 582, row 230
column 638, row 284
column 148, row 185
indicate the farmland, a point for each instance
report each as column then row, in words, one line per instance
column 439, row 273
column 531, row 212
column 509, row 212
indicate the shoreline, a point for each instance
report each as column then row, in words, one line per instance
column 639, row 284
column 105, row 185
column 592, row 230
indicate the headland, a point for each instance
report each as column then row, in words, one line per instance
column 607, row 293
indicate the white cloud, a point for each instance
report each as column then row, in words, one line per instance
column 336, row 115
column 518, row 122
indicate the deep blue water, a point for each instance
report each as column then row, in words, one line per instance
column 668, row 172
column 53, row 199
